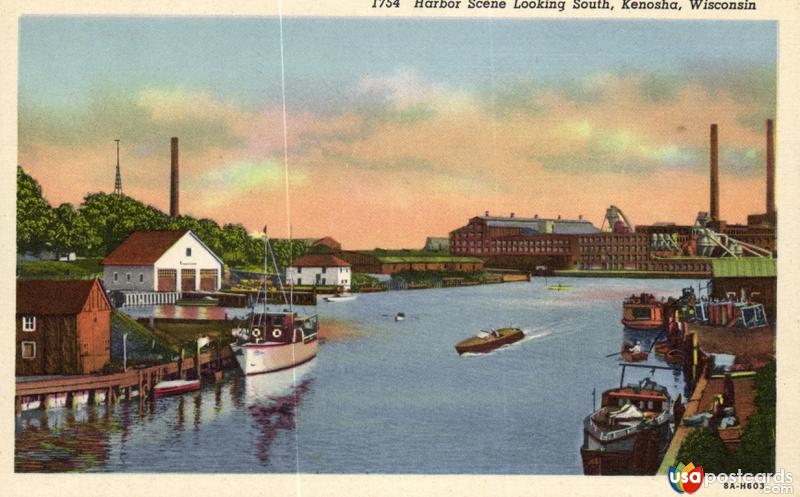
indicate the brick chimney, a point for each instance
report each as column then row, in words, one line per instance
column 714, row 180
column 174, row 192
column 770, row 168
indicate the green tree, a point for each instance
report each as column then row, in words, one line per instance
column 703, row 447
column 286, row 251
column 71, row 232
column 34, row 215
column 756, row 452
column 114, row 217
column 239, row 248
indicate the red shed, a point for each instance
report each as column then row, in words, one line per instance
column 63, row 327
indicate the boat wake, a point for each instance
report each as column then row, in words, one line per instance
column 529, row 337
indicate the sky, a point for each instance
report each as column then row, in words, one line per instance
column 399, row 129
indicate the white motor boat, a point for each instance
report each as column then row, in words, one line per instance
column 276, row 341
column 340, row 297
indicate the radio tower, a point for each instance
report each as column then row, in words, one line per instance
column 118, row 180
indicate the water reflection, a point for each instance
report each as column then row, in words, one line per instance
column 64, row 440
column 273, row 400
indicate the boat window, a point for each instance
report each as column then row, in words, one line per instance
column 620, row 402
column 650, row 404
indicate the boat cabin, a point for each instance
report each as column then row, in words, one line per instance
column 622, row 408
column 279, row 327
column 643, row 399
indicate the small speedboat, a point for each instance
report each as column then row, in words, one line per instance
column 340, row 297
column 175, row 387
column 486, row 341
column 400, row 316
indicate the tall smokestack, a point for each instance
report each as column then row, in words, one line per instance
column 714, row 183
column 174, row 209
column 770, row 168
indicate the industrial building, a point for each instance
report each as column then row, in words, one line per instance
column 535, row 243
column 390, row 262
column 520, row 243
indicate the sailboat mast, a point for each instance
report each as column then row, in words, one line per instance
column 291, row 280
column 266, row 255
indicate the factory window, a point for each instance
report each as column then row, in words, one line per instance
column 28, row 350
column 28, row 323
column 188, row 251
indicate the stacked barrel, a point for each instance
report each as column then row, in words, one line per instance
column 722, row 313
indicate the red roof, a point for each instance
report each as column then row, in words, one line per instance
column 53, row 297
column 327, row 242
column 319, row 260
column 142, row 248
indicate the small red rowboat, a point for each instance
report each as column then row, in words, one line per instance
column 674, row 356
column 175, row 387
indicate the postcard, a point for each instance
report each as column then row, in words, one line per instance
column 401, row 247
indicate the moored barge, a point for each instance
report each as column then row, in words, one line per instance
column 643, row 312
column 628, row 434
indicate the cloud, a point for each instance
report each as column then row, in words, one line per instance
column 422, row 154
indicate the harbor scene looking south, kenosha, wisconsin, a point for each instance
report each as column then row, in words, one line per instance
column 343, row 246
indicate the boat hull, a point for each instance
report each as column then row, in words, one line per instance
column 639, row 454
column 340, row 299
column 489, row 345
column 629, row 356
column 643, row 325
column 258, row 358
column 166, row 389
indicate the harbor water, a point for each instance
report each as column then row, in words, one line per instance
column 383, row 396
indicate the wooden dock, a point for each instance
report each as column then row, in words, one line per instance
column 109, row 388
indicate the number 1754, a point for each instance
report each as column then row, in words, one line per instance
column 376, row 4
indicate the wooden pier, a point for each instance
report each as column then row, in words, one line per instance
column 109, row 388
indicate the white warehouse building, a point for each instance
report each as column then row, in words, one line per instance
column 162, row 261
column 320, row 269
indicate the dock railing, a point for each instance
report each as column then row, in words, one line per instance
column 133, row 299
column 609, row 436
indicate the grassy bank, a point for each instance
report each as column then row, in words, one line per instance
column 603, row 273
column 79, row 268
column 177, row 334
column 143, row 346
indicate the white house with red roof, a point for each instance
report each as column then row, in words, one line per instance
column 320, row 269
column 162, row 261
